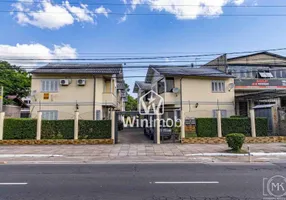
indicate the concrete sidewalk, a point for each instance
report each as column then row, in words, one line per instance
column 137, row 153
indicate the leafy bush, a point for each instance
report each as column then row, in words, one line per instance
column 207, row 127
column 15, row 129
column 237, row 116
column 236, row 125
column 235, row 141
column 89, row 129
column 56, row 129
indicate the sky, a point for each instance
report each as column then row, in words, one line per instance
column 45, row 29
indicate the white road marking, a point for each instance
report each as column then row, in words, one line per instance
column 13, row 183
column 187, row 182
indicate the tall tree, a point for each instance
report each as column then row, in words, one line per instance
column 131, row 104
column 16, row 81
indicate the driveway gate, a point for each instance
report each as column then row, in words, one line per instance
column 118, row 119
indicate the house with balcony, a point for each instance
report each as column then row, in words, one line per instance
column 260, row 79
column 197, row 92
column 60, row 89
column 142, row 88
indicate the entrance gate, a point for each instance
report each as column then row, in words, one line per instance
column 118, row 124
column 139, row 132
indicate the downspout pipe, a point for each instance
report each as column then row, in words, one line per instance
column 181, row 94
column 94, row 86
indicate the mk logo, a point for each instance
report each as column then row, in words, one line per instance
column 153, row 106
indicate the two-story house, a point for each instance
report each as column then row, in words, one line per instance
column 59, row 89
column 260, row 78
column 141, row 88
column 198, row 92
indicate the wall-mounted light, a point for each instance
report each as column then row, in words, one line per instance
column 197, row 105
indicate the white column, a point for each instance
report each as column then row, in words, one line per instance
column 2, row 116
column 113, row 126
column 219, row 132
column 182, row 124
column 39, row 125
column 252, row 120
column 76, row 116
column 158, row 129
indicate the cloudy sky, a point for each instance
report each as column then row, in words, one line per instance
column 48, row 29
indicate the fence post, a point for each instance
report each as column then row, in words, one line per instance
column 252, row 120
column 113, row 126
column 158, row 130
column 183, row 135
column 76, row 116
column 219, row 132
column 39, row 125
column 2, row 116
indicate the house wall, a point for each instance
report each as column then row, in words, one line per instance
column 257, row 59
column 198, row 100
column 64, row 101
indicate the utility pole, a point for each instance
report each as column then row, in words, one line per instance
column 1, row 98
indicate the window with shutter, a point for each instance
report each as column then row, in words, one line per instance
column 50, row 114
column 218, row 86
column 49, row 85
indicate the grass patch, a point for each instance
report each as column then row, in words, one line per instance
column 241, row 151
column 190, row 135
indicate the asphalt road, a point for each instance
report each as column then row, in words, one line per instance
column 135, row 181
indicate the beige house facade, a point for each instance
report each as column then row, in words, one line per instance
column 197, row 92
column 94, row 90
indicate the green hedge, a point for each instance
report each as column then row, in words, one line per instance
column 94, row 129
column 207, row 127
column 56, row 129
column 236, row 125
column 15, row 129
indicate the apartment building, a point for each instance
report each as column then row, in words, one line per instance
column 260, row 79
column 60, row 89
column 198, row 92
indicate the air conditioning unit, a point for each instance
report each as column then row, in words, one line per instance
column 81, row 82
column 64, row 82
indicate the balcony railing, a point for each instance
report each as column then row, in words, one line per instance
column 109, row 99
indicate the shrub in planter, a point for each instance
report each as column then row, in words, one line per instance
column 235, row 141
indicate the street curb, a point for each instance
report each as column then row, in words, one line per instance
column 235, row 155
column 28, row 155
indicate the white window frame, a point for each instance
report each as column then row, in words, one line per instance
column 49, row 88
column 218, row 86
column 223, row 113
column 49, row 114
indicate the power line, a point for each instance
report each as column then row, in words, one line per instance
column 194, row 54
column 148, row 58
column 135, row 68
column 153, row 14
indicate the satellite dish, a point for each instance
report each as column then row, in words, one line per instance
column 230, row 86
column 175, row 90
